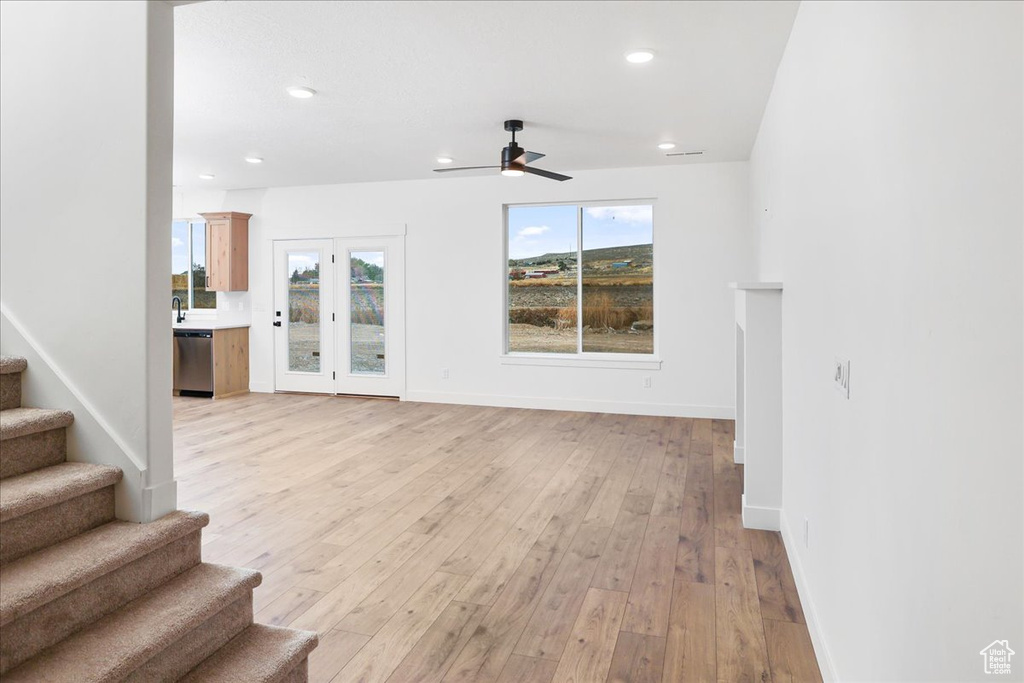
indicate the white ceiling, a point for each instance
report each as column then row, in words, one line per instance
column 401, row 83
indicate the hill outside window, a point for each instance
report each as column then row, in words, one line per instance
column 580, row 281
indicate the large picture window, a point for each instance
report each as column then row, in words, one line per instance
column 580, row 279
column 188, row 265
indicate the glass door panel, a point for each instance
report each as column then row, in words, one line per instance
column 304, row 347
column 367, row 341
column 303, row 315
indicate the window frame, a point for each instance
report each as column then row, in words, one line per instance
column 581, row 358
column 192, row 310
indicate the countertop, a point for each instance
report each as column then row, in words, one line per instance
column 206, row 325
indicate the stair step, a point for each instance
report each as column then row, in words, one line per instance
column 121, row 642
column 53, row 572
column 25, row 493
column 260, row 654
column 12, row 364
column 24, row 421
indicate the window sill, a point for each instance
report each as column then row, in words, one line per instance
column 601, row 362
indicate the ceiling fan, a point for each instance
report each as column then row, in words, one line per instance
column 514, row 159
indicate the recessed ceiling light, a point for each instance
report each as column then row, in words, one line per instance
column 207, row 176
column 301, row 92
column 445, row 160
column 639, row 56
column 254, row 160
column 667, row 145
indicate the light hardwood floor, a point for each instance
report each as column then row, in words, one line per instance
column 451, row 543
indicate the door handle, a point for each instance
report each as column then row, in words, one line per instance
column 277, row 323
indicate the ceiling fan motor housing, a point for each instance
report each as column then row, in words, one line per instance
column 509, row 157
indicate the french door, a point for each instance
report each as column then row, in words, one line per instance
column 303, row 308
column 339, row 316
column 371, row 335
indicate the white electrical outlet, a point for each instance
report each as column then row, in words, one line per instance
column 444, row 373
column 807, row 533
column 647, row 382
column 841, row 376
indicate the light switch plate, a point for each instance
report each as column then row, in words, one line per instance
column 841, row 376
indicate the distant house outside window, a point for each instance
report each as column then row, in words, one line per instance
column 188, row 265
column 580, row 279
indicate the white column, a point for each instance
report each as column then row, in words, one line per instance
column 759, row 401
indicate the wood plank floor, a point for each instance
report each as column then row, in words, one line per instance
column 447, row 543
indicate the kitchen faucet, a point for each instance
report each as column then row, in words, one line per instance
column 181, row 316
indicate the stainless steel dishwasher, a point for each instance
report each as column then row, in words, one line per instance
column 193, row 367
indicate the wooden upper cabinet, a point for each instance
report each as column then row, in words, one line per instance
column 227, row 251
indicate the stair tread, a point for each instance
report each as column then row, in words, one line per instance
column 35, row 490
column 259, row 654
column 12, row 364
column 121, row 642
column 47, row 574
column 15, row 422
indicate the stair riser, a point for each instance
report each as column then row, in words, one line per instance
column 54, row 621
column 189, row 651
column 43, row 528
column 10, row 391
column 32, row 452
column 299, row 674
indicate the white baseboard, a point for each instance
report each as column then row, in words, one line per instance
column 821, row 652
column 737, row 453
column 160, row 500
column 580, row 405
column 261, row 387
column 760, row 518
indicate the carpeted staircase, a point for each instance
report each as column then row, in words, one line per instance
column 85, row 597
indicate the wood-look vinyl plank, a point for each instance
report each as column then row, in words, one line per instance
column 506, row 532
column 588, row 654
column 637, row 659
column 791, row 653
column 548, row 629
column 434, row 653
column 287, row 606
column 742, row 654
column 650, row 595
column 690, row 648
column 776, row 587
column 335, row 650
column 520, row 669
column 383, row 653
column 668, row 500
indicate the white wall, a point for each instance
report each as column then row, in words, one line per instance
column 85, row 133
column 701, row 243
column 887, row 196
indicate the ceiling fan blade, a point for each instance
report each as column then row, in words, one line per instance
column 529, row 157
column 546, row 174
column 462, row 168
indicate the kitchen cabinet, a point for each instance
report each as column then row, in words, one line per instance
column 227, row 251
column 211, row 362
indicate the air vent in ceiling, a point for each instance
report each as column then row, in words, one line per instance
column 694, row 153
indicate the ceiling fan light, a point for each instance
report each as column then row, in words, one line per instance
column 512, row 172
column 639, row 56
